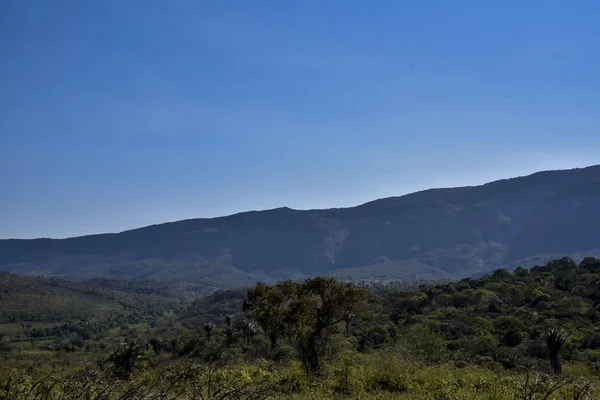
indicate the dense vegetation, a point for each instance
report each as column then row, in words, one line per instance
column 433, row 234
column 525, row 334
column 31, row 299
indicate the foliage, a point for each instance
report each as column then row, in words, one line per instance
column 310, row 312
column 495, row 337
column 269, row 306
column 555, row 339
column 128, row 357
column 34, row 299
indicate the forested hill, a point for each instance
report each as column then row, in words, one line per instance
column 437, row 233
column 530, row 334
column 33, row 299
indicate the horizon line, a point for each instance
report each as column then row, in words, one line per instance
column 297, row 209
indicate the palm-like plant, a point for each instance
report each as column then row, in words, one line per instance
column 156, row 344
column 348, row 321
column 128, row 357
column 248, row 329
column 173, row 344
column 208, row 329
column 555, row 338
column 229, row 329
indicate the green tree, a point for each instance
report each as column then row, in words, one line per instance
column 269, row 306
column 500, row 274
column 310, row 313
column 509, row 330
column 317, row 312
column 521, row 272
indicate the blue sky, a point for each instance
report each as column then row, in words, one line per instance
column 118, row 114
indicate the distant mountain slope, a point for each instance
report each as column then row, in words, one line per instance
column 451, row 232
column 53, row 300
column 565, row 221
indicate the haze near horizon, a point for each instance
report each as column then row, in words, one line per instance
column 116, row 115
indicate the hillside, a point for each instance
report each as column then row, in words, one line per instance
column 437, row 233
column 33, row 299
column 530, row 334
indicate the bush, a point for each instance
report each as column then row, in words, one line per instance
column 509, row 330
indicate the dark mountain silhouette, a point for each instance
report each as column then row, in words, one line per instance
column 439, row 232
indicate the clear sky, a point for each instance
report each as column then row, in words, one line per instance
column 116, row 114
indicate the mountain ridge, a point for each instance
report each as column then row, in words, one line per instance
column 459, row 231
column 594, row 168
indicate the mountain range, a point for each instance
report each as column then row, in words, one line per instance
column 432, row 234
